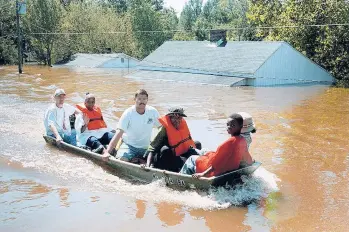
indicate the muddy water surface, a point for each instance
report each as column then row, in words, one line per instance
column 302, row 141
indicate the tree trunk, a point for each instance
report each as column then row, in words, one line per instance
column 48, row 56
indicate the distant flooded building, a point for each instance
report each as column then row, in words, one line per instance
column 251, row 63
column 113, row 60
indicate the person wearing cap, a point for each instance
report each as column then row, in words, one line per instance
column 135, row 128
column 228, row 156
column 247, row 128
column 173, row 144
column 91, row 128
column 56, row 119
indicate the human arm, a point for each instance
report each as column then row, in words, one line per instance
column 71, row 109
column 122, row 127
column 159, row 141
column 114, row 141
column 51, row 122
column 149, row 160
column 77, row 111
column 86, row 120
column 80, row 124
column 55, row 132
column 202, row 174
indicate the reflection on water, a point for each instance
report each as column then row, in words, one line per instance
column 301, row 141
column 222, row 220
column 63, row 195
column 169, row 214
column 140, row 209
column 18, row 196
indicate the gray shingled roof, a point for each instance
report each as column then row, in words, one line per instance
column 202, row 56
column 186, row 77
column 95, row 60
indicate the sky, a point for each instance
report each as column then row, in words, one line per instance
column 177, row 4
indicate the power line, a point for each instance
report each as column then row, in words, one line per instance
column 168, row 31
column 39, row 27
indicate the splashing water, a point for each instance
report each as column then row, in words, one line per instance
column 84, row 175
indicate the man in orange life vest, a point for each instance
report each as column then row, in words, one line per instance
column 91, row 128
column 228, row 156
column 173, row 144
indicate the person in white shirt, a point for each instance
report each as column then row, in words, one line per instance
column 91, row 128
column 56, row 119
column 135, row 127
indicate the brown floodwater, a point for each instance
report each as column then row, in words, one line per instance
column 302, row 141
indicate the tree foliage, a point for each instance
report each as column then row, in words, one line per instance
column 44, row 16
column 8, row 39
column 326, row 45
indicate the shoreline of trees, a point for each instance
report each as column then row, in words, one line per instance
column 54, row 30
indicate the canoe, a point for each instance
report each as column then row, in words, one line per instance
column 147, row 175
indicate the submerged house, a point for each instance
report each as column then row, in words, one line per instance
column 251, row 63
column 112, row 60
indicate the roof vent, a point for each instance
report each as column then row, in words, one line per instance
column 219, row 37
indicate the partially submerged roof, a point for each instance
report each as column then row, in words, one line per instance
column 96, row 60
column 235, row 59
column 187, row 77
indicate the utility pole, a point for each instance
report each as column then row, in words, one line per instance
column 19, row 39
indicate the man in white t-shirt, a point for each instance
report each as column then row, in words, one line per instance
column 56, row 120
column 135, row 127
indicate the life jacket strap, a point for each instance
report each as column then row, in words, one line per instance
column 96, row 119
column 180, row 142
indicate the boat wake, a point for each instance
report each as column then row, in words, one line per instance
column 83, row 175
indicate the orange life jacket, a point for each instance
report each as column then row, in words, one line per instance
column 95, row 116
column 179, row 140
column 228, row 157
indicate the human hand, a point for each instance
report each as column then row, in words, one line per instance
column 86, row 119
column 59, row 140
column 105, row 157
column 197, row 175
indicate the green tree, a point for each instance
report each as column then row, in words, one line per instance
column 8, row 37
column 44, row 16
column 224, row 14
column 326, row 45
column 158, row 4
column 263, row 13
column 120, row 5
column 97, row 27
column 148, row 26
column 190, row 13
